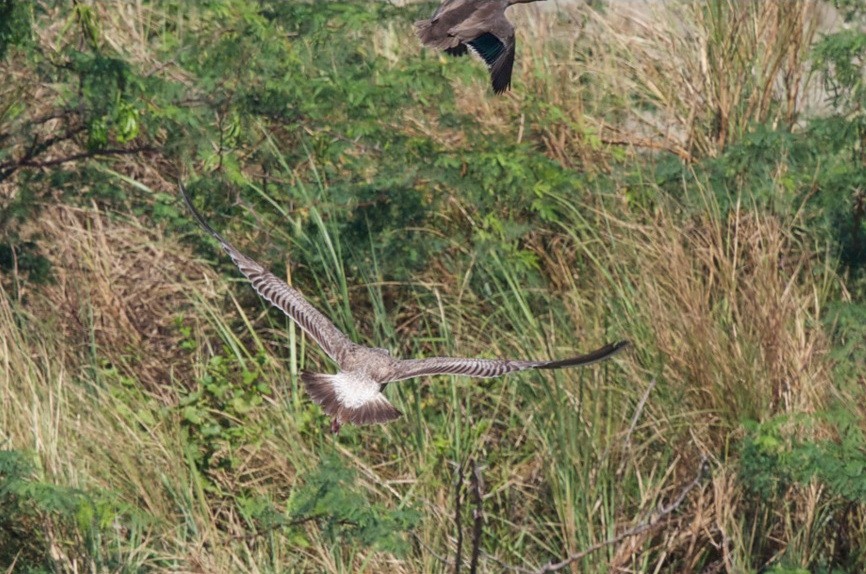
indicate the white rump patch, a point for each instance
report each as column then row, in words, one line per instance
column 354, row 390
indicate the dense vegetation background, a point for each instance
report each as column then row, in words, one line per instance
column 690, row 177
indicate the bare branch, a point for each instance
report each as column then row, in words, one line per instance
column 89, row 154
column 432, row 552
column 71, row 118
column 655, row 519
column 36, row 148
column 633, row 424
column 477, row 484
column 458, row 488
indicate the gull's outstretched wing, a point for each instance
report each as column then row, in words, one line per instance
column 289, row 300
column 486, row 368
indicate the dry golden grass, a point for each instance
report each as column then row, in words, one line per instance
column 118, row 291
column 705, row 74
column 731, row 315
column 724, row 311
column 726, row 307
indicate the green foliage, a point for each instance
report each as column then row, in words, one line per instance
column 15, row 24
column 844, row 322
column 24, row 257
column 820, row 179
column 821, row 166
column 330, row 496
column 764, row 460
column 42, row 522
column 216, row 414
column 779, row 569
column 840, row 58
column 773, row 458
column 247, row 77
column 17, row 254
column 391, row 221
column 850, row 9
column 776, row 460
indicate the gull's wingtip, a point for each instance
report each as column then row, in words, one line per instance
column 596, row 356
column 619, row 346
column 198, row 216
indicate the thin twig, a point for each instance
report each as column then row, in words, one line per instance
column 458, row 488
column 87, row 154
column 633, row 424
column 429, row 549
column 639, row 410
column 289, row 523
column 36, row 148
column 653, row 520
column 477, row 484
column 10, row 167
column 14, row 561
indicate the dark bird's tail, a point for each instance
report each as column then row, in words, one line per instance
column 432, row 37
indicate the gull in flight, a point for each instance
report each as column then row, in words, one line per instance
column 478, row 25
column 354, row 394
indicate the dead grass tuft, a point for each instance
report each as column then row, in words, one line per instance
column 732, row 315
column 702, row 73
column 119, row 289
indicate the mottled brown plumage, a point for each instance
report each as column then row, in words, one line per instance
column 354, row 394
column 477, row 25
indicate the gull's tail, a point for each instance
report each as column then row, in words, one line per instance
column 346, row 402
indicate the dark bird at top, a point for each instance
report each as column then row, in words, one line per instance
column 354, row 394
column 477, row 25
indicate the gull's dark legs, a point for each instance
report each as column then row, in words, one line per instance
column 335, row 425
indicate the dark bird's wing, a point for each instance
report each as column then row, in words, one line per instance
column 447, row 6
column 290, row 301
column 499, row 57
column 486, row 368
column 490, row 35
column 435, row 32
